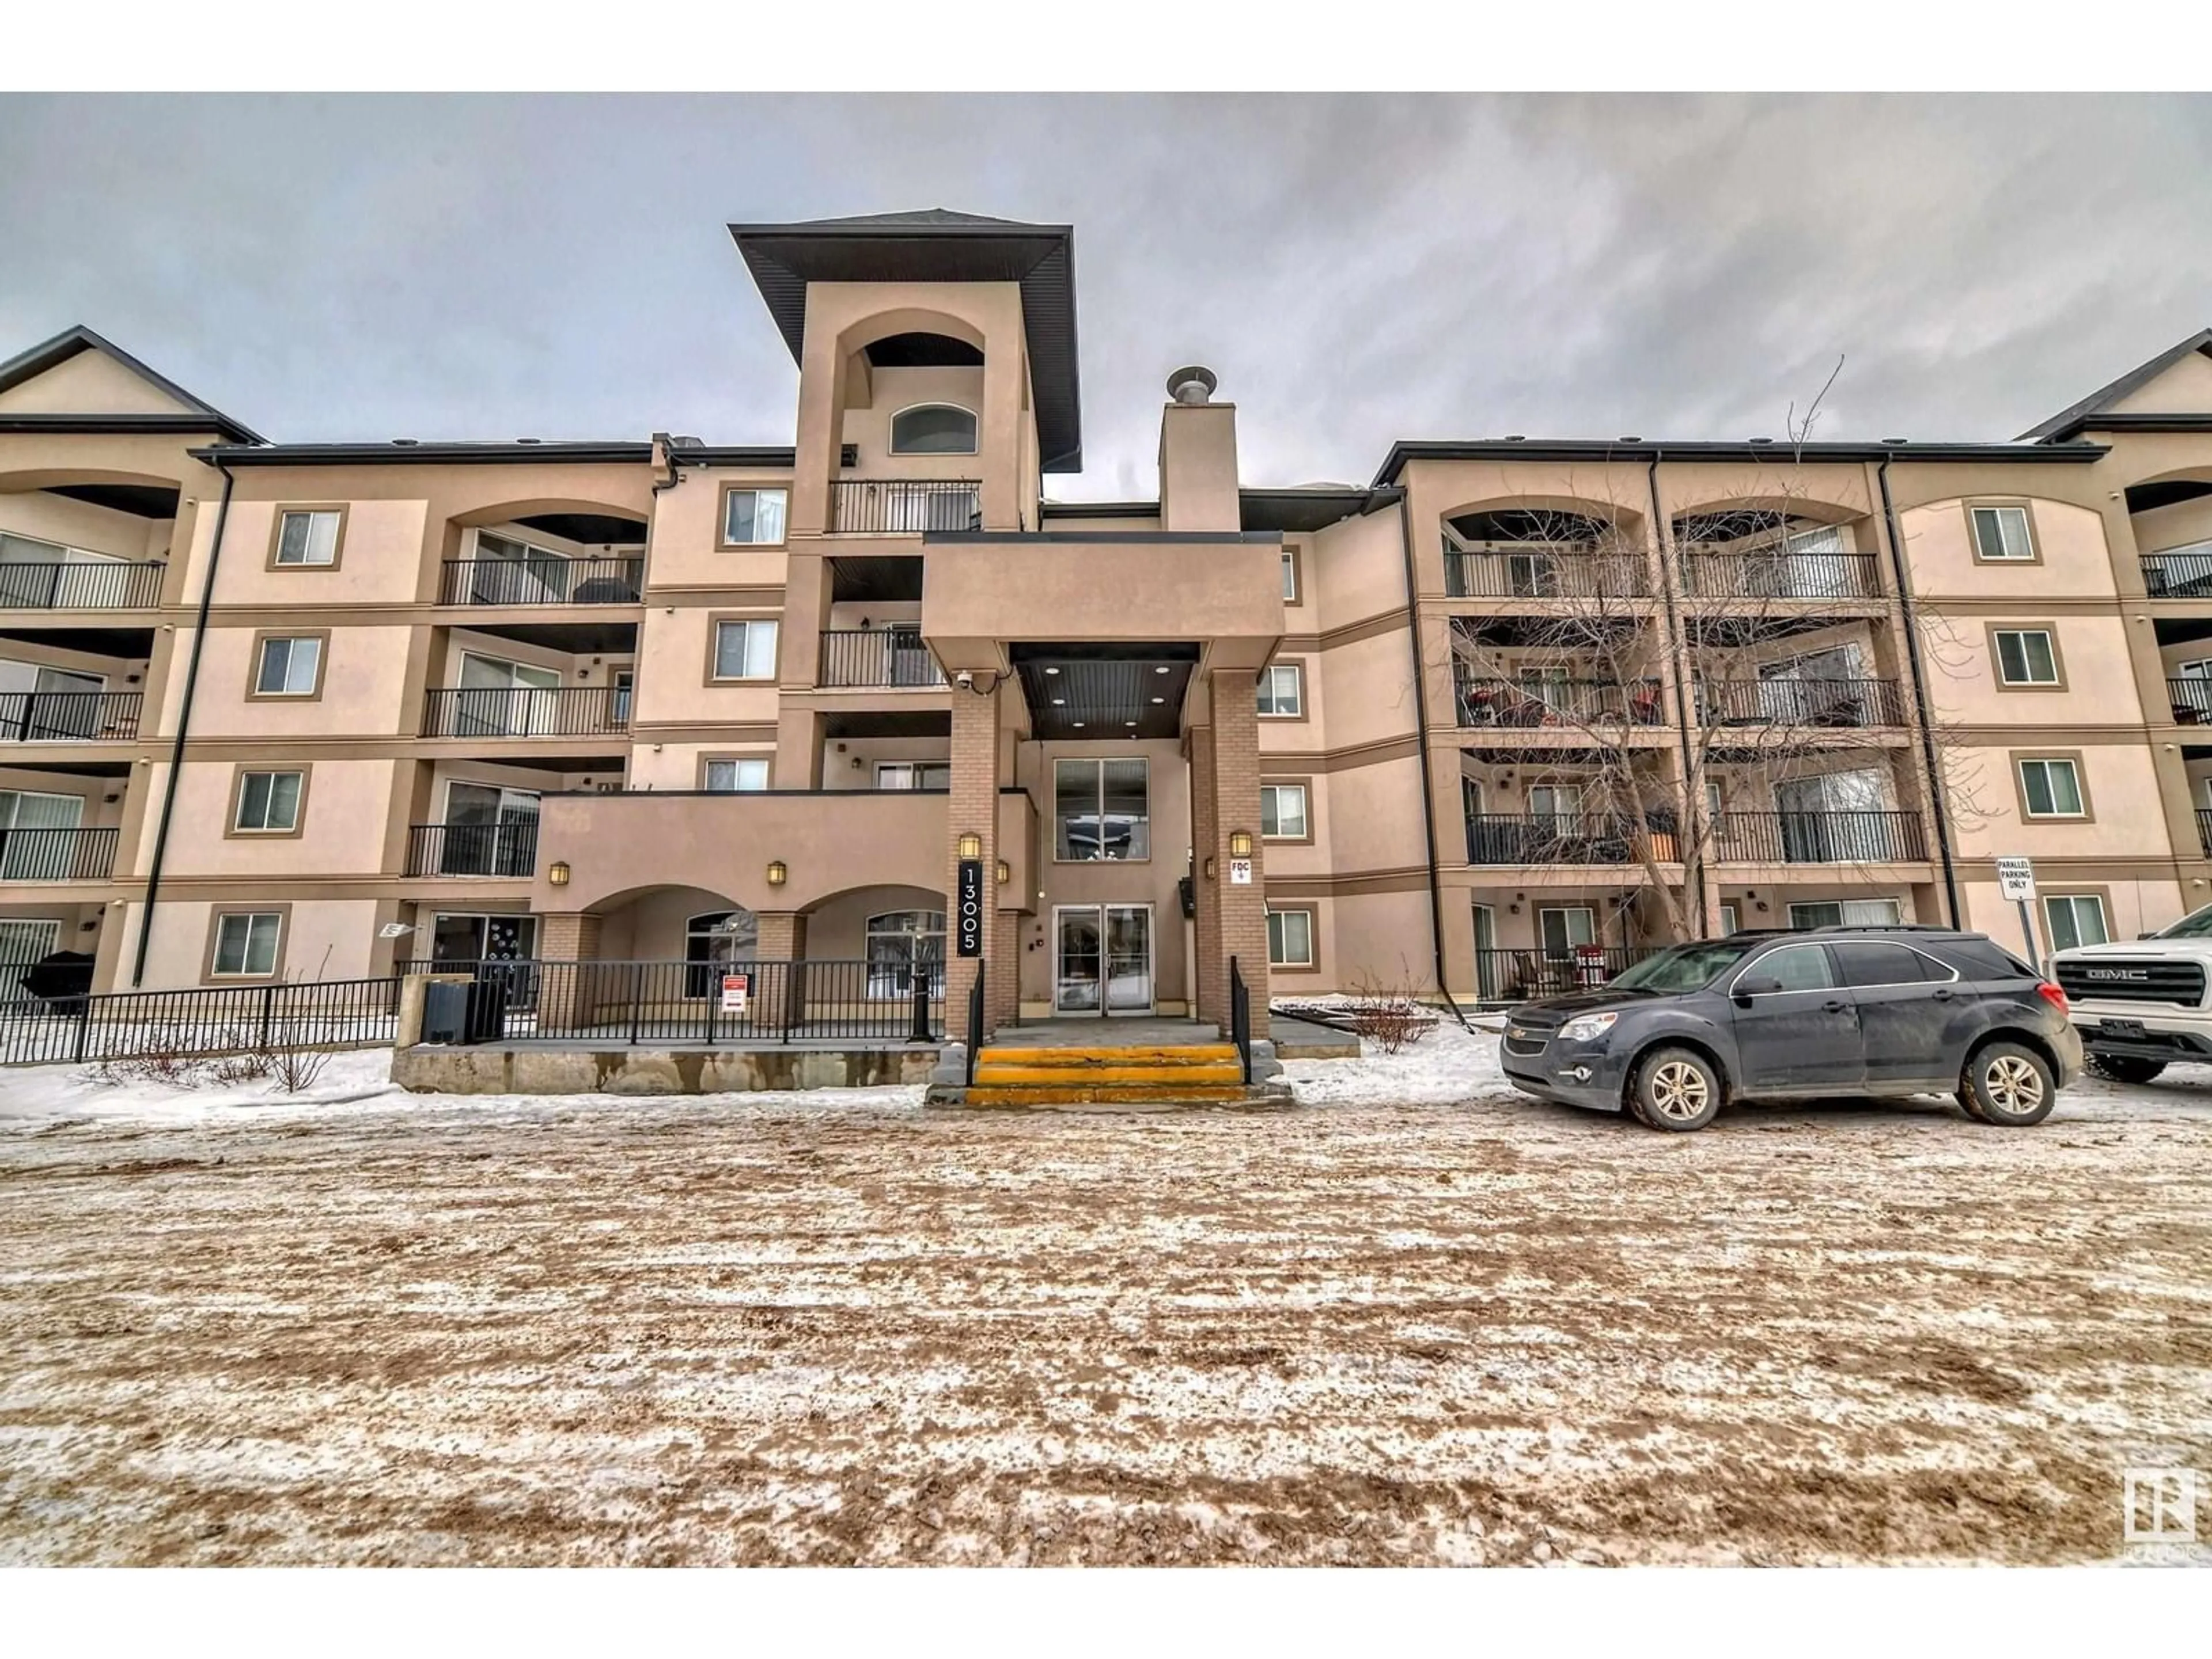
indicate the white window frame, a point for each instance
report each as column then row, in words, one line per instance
column 741, row 768
column 316, row 516
column 975, row 422
column 887, row 975
column 1098, row 815
column 291, row 643
column 774, row 630
column 1843, row 918
column 2073, row 902
column 1290, row 576
column 1278, row 940
column 758, row 494
column 246, row 970
column 2050, row 650
column 1272, row 704
column 2026, row 798
column 1272, row 794
column 1567, row 912
column 237, row 825
column 1999, row 511
column 888, row 773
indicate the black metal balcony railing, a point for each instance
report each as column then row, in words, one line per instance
column 1511, row 976
column 92, row 585
column 1818, row 838
column 473, row 849
column 894, row 507
column 2204, row 832
column 542, row 582
column 69, row 716
column 1550, row 572
column 1486, row 702
column 876, row 656
column 1717, row 574
column 574, row 711
column 2191, row 702
column 2187, row 574
column 56, row 854
column 1802, row 703
column 1560, row 838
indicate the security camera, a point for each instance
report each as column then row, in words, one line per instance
column 963, row 678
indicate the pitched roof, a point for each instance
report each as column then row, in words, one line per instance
column 2068, row 421
column 916, row 217
column 70, row 342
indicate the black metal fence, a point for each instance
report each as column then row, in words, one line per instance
column 876, row 656
column 1564, row 838
column 69, row 716
column 473, row 849
column 1802, row 703
column 56, row 854
column 1506, row 571
column 2204, row 832
column 612, row 581
column 87, row 584
column 2190, row 701
column 1487, row 701
column 528, row 711
column 1818, row 838
column 227, row 1019
column 1510, row 976
column 1718, row 574
column 892, row 506
column 2187, row 574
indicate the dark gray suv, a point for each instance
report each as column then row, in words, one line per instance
column 1770, row 1015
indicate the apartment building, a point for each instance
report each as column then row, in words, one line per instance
column 1508, row 712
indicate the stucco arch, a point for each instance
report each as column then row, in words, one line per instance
column 864, row 331
column 49, row 477
column 1624, row 518
column 1813, row 509
column 503, row 512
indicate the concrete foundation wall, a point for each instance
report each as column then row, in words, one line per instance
column 496, row 1071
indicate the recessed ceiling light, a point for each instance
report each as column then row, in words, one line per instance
column 1159, row 698
column 1052, row 671
column 1162, row 669
column 1057, row 701
column 1129, row 722
column 1078, row 724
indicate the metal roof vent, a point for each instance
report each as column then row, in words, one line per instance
column 1194, row 385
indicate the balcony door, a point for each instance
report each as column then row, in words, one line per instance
column 504, row 699
column 1811, row 832
column 489, row 831
column 28, row 855
column 1810, row 687
column 1102, row 959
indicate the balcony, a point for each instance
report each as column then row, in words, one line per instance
column 1718, row 572
column 69, row 716
column 1564, row 838
column 542, row 582
column 473, row 849
column 1789, row 702
column 81, row 585
column 2191, row 702
column 903, row 506
column 574, row 711
column 1486, row 702
column 2185, row 573
column 1511, row 570
column 876, row 657
column 56, row 854
column 2204, row 832
column 1818, row 838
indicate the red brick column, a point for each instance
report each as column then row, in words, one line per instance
column 972, row 808
column 1242, row 920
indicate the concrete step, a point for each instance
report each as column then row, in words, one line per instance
column 1088, row 1059
column 1198, row 1073
column 1153, row 1095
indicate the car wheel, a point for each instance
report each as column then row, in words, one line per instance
column 1676, row 1091
column 2125, row 1068
column 2009, row 1085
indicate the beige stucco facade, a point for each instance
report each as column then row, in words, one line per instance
column 1509, row 705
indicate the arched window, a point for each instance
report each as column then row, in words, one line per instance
column 898, row 942
column 933, row 429
column 711, row 939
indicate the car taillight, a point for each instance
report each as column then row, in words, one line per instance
column 2051, row 994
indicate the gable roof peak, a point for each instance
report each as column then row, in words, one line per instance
column 2068, row 421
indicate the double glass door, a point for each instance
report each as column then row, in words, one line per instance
column 1102, row 959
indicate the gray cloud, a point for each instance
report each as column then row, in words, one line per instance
column 1358, row 269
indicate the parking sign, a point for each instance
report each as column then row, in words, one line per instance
column 2016, row 880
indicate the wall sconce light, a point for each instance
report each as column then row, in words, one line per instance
column 1760, row 906
column 971, row 846
column 1240, row 843
column 859, row 765
column 1006, row 872
column 1512, row 909
column 778, row 872
column 557, row 872
column 1209, row 866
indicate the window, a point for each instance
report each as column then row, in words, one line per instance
column 1563, row 929
column 500, row 698
column 268, row 802
column 1728, row 920
column 290, row 667
column 1877, row 962
column 2051, row 789
column 2075, row 918
column 36, row 840
column 933, row 429
column 489, row 830
column 624, row 679
column 1283, row 811
column 1797, row 967
column 737, row 776
column 914, row 775
column 308, row 537
column 509, row 572
column 2025, row 657
column 1561, row 803
column 1290, row 577
column 900, row 941
column 2002, row 533
column 23, row 943
column 1283, row 691
column 245, row 943
column 744, row 650
column 753, row 518
column 1849, row 912
column 1290, row 938
column 711, row 943
column 1101, row 810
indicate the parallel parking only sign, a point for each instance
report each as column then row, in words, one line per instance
column 2016, row 880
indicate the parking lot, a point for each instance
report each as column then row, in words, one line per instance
column 412, row 1330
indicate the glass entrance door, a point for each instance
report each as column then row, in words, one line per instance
column 1102, row 959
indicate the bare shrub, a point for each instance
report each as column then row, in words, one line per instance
column 295, row 1066
column 156, row 1065
column 1388, row 1014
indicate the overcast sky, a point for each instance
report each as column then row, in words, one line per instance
column 1356, row 269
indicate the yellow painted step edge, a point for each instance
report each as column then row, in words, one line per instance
column 1191, row 1053
column 1130, row 1095
column 1065, row 1077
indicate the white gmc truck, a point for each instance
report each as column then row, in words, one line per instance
column 2144, row 1005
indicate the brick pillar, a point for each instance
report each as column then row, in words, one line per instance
column 783, row 992
column 972, row 808
column 1208, row 875
column 1235, row 794
column 566, row 995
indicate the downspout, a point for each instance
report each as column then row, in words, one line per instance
column 1428, row 781
column 1942, row 811
column 1662, row 536
column 184, row 724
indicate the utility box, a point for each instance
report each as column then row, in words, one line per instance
column 446, row 1013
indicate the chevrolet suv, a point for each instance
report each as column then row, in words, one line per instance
column 1775, row 1015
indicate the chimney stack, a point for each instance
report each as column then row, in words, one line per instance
column 1198, row 456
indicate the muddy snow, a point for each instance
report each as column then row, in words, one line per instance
column 1412, row 1320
